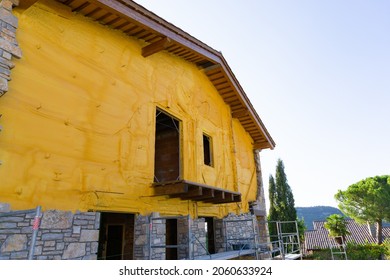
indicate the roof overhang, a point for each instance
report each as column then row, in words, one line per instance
column 160, row 35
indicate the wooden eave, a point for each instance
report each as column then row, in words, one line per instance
column 187, row 190
column 160, row 35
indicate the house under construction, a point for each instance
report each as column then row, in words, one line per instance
column 135, row 138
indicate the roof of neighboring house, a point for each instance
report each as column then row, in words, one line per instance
column 160, row 35
column 319, row 239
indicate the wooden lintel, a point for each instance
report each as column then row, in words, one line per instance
column 171, row 189
column 240, row 113
column 158, row 46
column 25, row 4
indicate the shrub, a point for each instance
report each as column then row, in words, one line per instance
column 355, row 251
column 365, row 251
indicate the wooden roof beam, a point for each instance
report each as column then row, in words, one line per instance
column 156, row 47
column 240, row 113
column 24, row 4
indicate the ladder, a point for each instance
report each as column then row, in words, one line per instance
column 338, row 251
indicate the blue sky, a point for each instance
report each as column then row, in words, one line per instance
column 318, row 74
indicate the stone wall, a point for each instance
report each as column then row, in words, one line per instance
column 8, row 45
column 61, row 235
column 186, row 248
column 234, row 231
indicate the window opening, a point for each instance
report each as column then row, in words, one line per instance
column 207, row 150
column 167, row 148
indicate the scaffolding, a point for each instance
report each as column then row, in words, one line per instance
column 282, row 246
column 153, row 221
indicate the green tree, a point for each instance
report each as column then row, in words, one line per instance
column 282, row 204
column 337, row 226
column 367, row 201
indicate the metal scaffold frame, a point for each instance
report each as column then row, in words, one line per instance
column 156, row 246
column 283, row 246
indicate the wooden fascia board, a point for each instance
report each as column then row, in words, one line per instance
column 150, row 21
column 245, row 101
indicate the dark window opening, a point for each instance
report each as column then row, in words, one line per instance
column 167, row 148
column 207, row 150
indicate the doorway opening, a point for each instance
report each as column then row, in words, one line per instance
column 167, row 148
column 210, row 240
column 116, row 236
column 171, row 239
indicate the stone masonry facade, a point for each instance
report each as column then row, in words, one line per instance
column 8, row 45
column 62, row 235
column 229, row 233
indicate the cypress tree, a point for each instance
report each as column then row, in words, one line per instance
column 282, row 204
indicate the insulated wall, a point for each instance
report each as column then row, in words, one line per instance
column 79, row 122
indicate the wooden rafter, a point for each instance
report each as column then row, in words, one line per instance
column 156, row 47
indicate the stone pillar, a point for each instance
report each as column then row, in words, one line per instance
column 183, row 238
column 219, row 235
column 141, row 238
column 259, row 206
column 198, row 231
column 8, row 45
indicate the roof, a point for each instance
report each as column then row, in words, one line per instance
column 319, row 239
column 160, row 35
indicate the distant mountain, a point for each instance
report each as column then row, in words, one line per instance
column 315, row 213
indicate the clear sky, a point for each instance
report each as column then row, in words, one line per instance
column 318, row 74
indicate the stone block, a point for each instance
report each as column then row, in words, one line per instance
column 49, row 243
column 15, row 242
column 140, row 240
column 76, row 229
column 8, row 17
column 52, row 236
column 90, row 257
column 7, row 225
column 89, row 235
column 3, row 84
column 74, row 250
column 21, row 255
column 56, row 220
column 80, row 222
column 6, row 4
column 94, row 247
column 60, row 246
column 38, row 250
column 4, row 207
